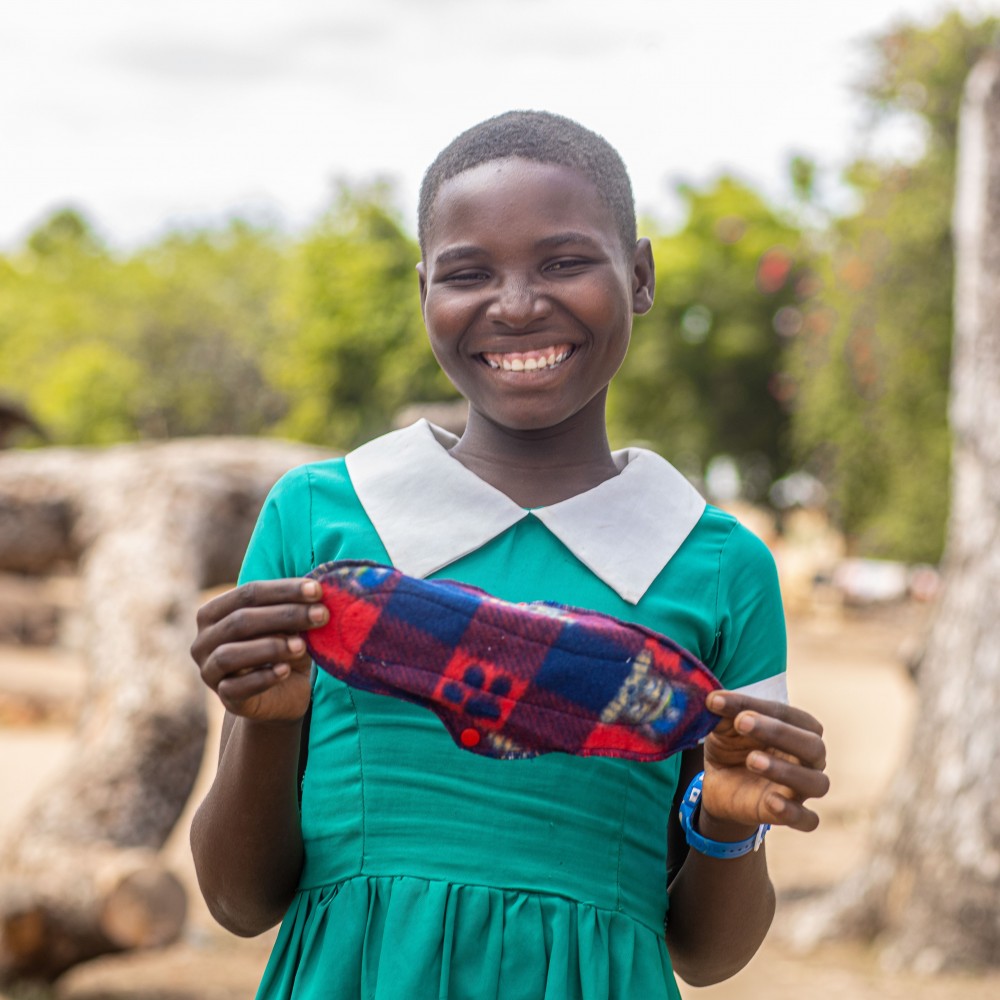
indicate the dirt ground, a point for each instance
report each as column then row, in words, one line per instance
column 847, row 669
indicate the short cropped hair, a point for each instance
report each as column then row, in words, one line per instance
column 541, row 137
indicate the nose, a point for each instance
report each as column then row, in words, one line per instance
column 517, row 303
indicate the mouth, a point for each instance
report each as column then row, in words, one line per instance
column 544, row 359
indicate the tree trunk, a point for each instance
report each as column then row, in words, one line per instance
column 931, row 888
column 153, row 525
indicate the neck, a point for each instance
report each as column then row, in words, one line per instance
column 536, row 468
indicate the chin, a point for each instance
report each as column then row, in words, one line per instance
column 522, row 421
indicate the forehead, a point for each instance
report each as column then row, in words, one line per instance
column 518, row 196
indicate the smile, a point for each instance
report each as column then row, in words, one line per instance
column 528, row 361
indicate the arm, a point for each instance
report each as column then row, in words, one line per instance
column 761, row 764
column 246, row 837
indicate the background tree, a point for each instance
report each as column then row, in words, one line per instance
column 57, row 307
column 203, row 322
column 228, row 331
column 167, row 342
column 931, row 886
column 703, row 374
column 872, row 361
column 319, row 337
column 356, row 351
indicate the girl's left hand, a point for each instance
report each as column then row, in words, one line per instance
column 762, row 762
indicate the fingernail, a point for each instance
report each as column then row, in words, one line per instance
column 310, row 589
column 296, row 645
column 318, row 614
column 745, row 723
column 758, row 761
column 715, row 702
column 282, row 670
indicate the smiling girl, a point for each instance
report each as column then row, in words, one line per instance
column 399, row 865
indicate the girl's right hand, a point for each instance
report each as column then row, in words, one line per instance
column 249, row 650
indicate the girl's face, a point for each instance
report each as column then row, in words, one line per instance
column 527, row 293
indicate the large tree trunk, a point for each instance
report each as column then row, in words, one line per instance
column 932, row 885
column 152, row 525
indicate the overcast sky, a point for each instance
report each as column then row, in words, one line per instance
column 152, row 115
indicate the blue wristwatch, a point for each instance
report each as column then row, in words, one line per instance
column 713, row 848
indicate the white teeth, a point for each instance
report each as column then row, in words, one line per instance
column 509, row 364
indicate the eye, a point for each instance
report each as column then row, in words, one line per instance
column 467, row 276
column 567, row 265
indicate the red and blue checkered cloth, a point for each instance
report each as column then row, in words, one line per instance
column 511, row 680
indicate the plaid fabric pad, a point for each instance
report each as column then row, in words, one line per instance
column 511, row 680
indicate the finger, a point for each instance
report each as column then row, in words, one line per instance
column 779, row 811
column 801, row 782
column 233, row 691
column 769, row 733
column 246, row 623
column 729, row 704
column 726, row 747
column 235, row 659
column 258, row 593
column 732, row 739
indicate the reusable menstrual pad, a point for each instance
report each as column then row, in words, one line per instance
column 511, row 680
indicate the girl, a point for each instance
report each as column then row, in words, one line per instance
column 404, row 868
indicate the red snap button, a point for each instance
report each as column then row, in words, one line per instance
column 470, row 737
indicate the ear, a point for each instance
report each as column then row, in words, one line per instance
column 643, row 277
column 422, row 277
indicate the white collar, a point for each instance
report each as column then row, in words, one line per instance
column 430, row 510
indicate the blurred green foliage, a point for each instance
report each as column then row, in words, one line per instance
column 772, row 341
column 169, row 341
column 354, row 351
column 231, row 331
column 703, row 374
column 872, row 364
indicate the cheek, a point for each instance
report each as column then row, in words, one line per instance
column 445, row 320
column 445, row 323
column 611, row 315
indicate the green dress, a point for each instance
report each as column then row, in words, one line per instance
column 434, row 873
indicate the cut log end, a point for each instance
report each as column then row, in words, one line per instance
column 95, row 902
column 22, row 937
column 146, row 909
column 81, row 876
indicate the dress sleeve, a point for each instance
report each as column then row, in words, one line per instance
column 281, row 541
column 751, row 645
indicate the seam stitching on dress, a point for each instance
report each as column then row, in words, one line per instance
column 718, row 591
column 516, row 890
column 621, row 842
column 361, row 782
column 312, row 542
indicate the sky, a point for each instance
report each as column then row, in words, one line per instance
column 153, row 116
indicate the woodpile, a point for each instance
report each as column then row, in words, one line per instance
column 148, row 526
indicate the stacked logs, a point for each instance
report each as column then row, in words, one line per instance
column 149, row 527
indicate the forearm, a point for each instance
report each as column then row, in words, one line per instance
column 762, row 762
column 720, row 909
column 246, row 836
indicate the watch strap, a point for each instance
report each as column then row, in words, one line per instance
column 713, row 848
